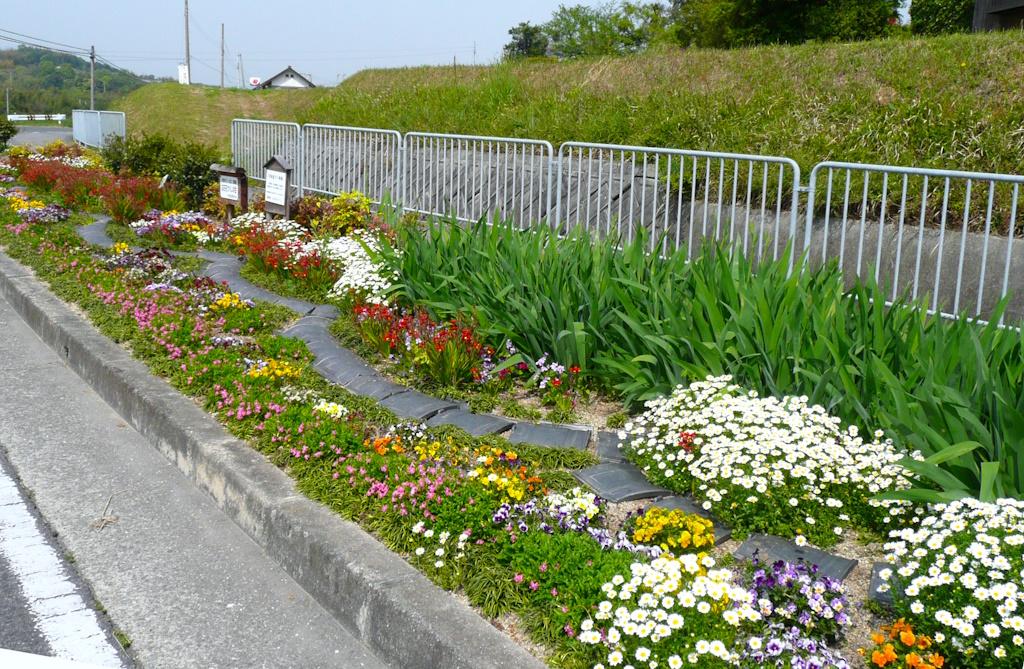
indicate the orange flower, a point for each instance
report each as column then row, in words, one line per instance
column 889, row 652
column 923, row 642
column 908, row 638
column 879, row 658
column 877, row 638
column 936, row 660
column 913, row 660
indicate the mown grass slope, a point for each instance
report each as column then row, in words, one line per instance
column 947, row 102
column 204, row 113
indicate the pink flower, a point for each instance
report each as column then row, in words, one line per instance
column 554, row 592
column 518, row 578
column 543, row 566
column 534, row 585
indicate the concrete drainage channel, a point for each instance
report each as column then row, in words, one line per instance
column 393, row 609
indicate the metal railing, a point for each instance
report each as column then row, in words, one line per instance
column 253, row 143
column 946, row 236
column 680, row 198
column 471, row 178
column 925, row 233
column 92, row 128
column 339, row 159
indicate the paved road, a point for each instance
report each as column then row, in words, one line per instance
column 184, row 583
column 37, row 135
column 44, row 607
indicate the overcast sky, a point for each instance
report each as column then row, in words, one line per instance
column 326, row 39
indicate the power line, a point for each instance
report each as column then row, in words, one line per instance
column 39, row 39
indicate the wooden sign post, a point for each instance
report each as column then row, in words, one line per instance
column 233, row 187
column 278, row 187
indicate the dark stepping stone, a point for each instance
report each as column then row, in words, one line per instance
column 556, row 436
column 96, row 234
column 325, row 311
column 887, row 598
column 608, row 447
column 215, row 256
column 374, row 386
column 677, row 502
column 474, row 423
column 341, row 370
column 619, row 482
column 415, row 405
column 771, row 549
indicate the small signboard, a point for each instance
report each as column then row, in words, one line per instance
column 277, row 184
column 277, row 187
column 234, row 187
column 228, row 187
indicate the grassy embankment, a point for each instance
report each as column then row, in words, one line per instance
column 204, row 113
column 938, row 102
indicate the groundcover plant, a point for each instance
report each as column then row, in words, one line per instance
column 511, row 529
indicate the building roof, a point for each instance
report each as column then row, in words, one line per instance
column 287, row 73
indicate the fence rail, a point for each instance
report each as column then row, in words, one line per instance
column 253, row 143
column 942, row 236
column 339, row 159
column 472, row 177
column 678, row 198
column 93, row 128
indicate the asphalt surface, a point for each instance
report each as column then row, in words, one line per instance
column 185, row 585
column 45, row 608
column 38, row 135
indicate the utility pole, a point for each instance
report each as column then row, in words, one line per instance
column 474, row 52
column 188, row 58
column 222, row 55
column 92, row 77
column 241, row 83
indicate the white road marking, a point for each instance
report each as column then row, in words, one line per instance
column 70, row 628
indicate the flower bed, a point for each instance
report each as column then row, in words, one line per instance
column 504, row 525
column 508, row 527
column 766, row 464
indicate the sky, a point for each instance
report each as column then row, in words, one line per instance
column 325, row 39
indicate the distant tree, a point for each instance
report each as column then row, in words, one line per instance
column 528, row 41
column 610, row 29
column 724, row 23
column 938, row 17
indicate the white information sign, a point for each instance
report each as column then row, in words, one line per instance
column 228, row 187
column 275, row 185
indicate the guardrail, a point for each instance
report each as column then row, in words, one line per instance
column 680, row 198
column 909, row 225
column 253, row 143
column 339, row 159
column 894, row 223
column 59, row 118
column 93, row 128
column 471, row 177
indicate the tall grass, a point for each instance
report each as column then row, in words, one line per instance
column 642, row 324
column 940, row 102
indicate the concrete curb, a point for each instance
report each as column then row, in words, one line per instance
column 401, row 616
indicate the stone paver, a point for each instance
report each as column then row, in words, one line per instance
column 771, row 549
column 413, row 405
column 555, row 436
column 619, row 482
column 884, row 598
column 475, row 424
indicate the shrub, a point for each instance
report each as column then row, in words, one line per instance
column 187, row 164
column 7, row 132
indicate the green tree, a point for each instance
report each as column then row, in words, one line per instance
column 724, row 23
column 528, row 41
column 938, row 17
